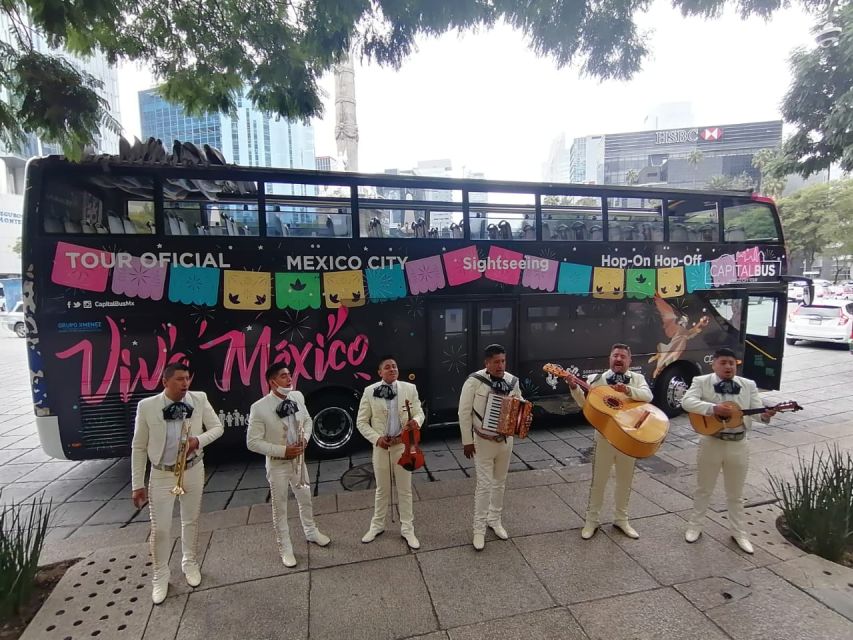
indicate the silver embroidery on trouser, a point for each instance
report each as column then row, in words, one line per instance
column 732, row 456
column 385, row 463
column 605, row 456
column 491, row 462
column 161, row 503
column 280, row 475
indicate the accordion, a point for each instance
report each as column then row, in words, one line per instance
column 507, row 416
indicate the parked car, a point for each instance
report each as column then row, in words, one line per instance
column 14, row 320
column 825, row 321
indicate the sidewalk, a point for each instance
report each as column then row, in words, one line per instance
column 545, row 582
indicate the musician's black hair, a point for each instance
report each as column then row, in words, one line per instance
column 620, row 345
column 273, row 369
column 724, row 353
column 493, row 350
column 387, row 356
column 173, row 368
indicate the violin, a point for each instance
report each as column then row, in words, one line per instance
column 413, row 456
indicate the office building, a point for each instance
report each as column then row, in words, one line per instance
column 586, row 160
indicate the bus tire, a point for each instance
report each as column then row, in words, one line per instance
column 20, row 330
column 670, row 387
column 790, row 341
column 334, row 413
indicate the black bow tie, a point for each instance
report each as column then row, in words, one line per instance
column 286, row 408
column 177, row 411
column 729, row 387
column 499, row 385
column 618, row 378
column 384, row 391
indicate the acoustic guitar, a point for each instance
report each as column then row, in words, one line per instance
column 711, row 425
column 634, row 427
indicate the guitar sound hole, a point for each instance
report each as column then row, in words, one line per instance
column 613, row 402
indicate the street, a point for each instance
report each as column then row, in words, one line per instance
column 93, row 496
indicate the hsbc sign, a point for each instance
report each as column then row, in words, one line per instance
column 712, row 134
column 680, row 136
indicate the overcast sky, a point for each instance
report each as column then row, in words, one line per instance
column 489, row 104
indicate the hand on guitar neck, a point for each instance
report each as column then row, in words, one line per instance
column 725, row 411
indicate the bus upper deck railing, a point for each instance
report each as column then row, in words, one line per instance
column 123, row 198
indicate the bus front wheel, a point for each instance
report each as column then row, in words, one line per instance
column 333, row 414
column 20, row 330
column 670, row 388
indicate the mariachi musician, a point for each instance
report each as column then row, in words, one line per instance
column 279, row 428
column 633, row 385
column 491, row 451
column 157, row 435
column 382, row 417
column 727, row 449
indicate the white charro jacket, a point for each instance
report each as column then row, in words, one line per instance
column 267, row 432
column 700, row 397
column 149, row 433
column 474, row 395
column 638, row 389
column 372, row 417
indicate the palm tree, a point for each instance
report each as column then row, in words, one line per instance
column 693, row 159
column 632, row 176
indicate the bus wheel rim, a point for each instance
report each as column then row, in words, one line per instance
column 675, row 391
column 340, row 435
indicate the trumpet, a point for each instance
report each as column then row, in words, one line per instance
column 181, row 461
column 300, row 469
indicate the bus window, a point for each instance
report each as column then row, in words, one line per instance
column 226, row 219
column 693, row 221
column 633, row 219
column 575, row 219
column 308, row 221
column 410, row 222
column 752, row 221
column 512, row 216
column 72, row 209
column 141, row 215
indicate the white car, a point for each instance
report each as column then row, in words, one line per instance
column 825, row 321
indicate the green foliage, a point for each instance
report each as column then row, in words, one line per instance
column 766, row 161
column 818, row 503
column 819, row 217
column 820, row 104
column 22, row 531
column 16, row 247
column 742, row 182
column 204, row 52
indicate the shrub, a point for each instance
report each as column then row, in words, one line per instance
column 818, row 503
column 23, row 527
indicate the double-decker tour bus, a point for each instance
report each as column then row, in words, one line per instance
column 130, row 265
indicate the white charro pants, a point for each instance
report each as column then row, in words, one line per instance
column 733, row 457
column 491, row 462
column 604, row 458
column 280, row 474
column 384, row 464
column 161, row 502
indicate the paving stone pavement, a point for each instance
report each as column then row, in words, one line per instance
column 583, row 590
column 544, row 582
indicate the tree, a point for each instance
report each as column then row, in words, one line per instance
column 205, row 52
column 818, row 218
column 693, row 159
column 766, row 161
column 632, row 176
column 820, row 104
column 741, row 182
column 16, row 248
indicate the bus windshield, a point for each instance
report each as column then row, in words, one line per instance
column 131, row 266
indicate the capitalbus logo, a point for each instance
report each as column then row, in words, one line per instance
column 712, row 134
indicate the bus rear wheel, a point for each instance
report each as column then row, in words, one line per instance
column 670, row 388
column 334, row 430
column 20, row 330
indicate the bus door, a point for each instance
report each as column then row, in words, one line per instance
column 459, row 332
column 765, row 339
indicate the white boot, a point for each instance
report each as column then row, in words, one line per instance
column 160, row 585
